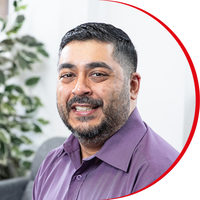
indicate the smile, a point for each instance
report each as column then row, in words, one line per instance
column 83, row 108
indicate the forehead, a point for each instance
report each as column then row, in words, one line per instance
column 80, row 52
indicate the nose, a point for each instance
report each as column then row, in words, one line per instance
column 82, row 87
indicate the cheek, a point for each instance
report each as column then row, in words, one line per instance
column 105, row 93
column 63, row 93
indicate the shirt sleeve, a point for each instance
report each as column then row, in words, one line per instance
column 43, row 173
column 36, row 191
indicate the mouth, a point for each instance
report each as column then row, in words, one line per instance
column 83, row 109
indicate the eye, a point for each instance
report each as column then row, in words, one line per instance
column 98, row 74
column 67, row 75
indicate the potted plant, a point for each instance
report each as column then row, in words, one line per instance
column 17, row 106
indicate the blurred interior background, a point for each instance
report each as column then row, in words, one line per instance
column 167, row 97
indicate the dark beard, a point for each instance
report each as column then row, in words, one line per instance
column 115, row 115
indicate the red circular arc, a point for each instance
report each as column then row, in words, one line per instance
column 196, row 85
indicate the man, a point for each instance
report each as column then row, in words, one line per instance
column 111, row 151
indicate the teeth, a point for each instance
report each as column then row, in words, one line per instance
column 81, row 108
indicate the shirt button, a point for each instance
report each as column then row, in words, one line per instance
column 79, row 177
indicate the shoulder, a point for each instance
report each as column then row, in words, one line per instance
column 159, row 153
column 156, row 149
column 45, row 169
column 48, row 163
column 153, row 157
column 51, row 157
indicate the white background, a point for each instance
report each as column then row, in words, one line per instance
column 166, row 99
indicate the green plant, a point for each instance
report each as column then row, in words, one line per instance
column 17, row 106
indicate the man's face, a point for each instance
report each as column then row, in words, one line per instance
column 93, row 98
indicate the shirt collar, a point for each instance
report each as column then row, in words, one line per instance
column 71, row 144
column 118, row 149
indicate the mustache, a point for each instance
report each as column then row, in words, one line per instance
column 85, row 99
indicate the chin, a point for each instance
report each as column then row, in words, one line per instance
column 85, row 124
column 90, row 132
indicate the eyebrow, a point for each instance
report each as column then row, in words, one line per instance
column 66, row 65
column 91, row 65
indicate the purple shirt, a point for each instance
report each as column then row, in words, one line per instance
column 131, row 159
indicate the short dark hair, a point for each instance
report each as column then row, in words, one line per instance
column 124, row 51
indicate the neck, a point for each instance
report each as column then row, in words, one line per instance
column 87, row 151
column 91, row 146
column 132, row 106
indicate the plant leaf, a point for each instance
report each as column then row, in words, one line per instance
column 21, row 61
column 18, row 23
column 25, row 127
column 1, row 97
column 9, row 88
column 29, row 40
column 26, row 164
column 37, row 101
column 3, row 126
column 2, row 78
column 14, row 29
column 26, row 101
column 21, row 8
column 36, row 44
column 2, row 149
column 7, row 107
column 30, row 110
column 12, row 99
column 7, row 42
column 20, row 19
column 16, row 150
column 27, row 153
column 13, row 124
column 26, row 140
column 15, row 140
column 37, row 129
column 4, row 23
column 30, row 54
column 42, row 121
column 3, row 137
column 43, row 52
column 19, row 89
column 32, row 81
column 15, row 4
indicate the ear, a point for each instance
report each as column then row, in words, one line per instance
column 134, row 85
